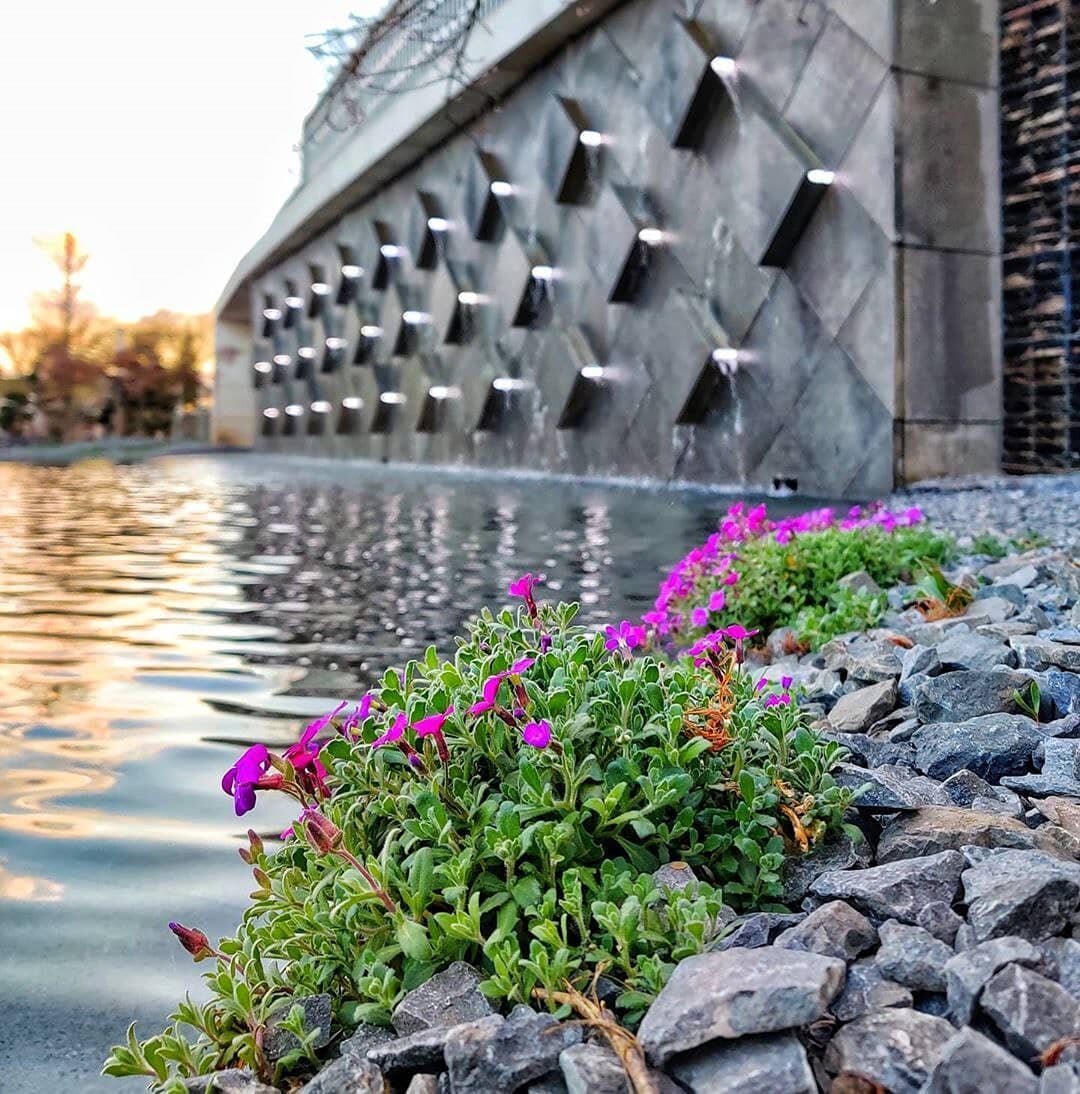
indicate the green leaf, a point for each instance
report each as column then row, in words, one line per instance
column 526, row 892
column 413, row 940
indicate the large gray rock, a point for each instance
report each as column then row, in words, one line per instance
column 1062, row 811
column 965, row 786
column 833, row 930
column 967, row 973
column 919, row 661
column 971, row 651
column 865, row 989
column 768, row 1064
column 419, row 1051
column 346, row 1075
column 756, row 930
column 895, row 890
column 1025, row 893
column 972, row 1064
column 673, row 877
column 898, row 1049
column 889, row 788
column 1040, row 653
column 364, row 1037
column 869, row 660
column 592, row 1069
column 941, row 828
column 1061, row 962
column 857, row 711
column 738, row 992
column 839, row 852
column 449, row 998
column 912, row 957
column 483, row 1056
column 1031, row 1011
column 1061, row 692
column 1060, row 1079
column 990, row 745
column 317, row 1018
column 1058, row 775
column 960, row 696
column 940, row 920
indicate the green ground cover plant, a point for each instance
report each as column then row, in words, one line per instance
column 506, row 806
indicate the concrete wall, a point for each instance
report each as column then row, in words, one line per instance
column 768, row 330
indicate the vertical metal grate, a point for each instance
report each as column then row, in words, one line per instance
column 1040, row 175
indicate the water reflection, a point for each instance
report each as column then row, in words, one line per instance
column 149, row 614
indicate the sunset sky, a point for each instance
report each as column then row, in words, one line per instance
column 163, row 136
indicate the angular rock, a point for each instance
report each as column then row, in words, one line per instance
column 858, row 710
column 1067, row 726
column 1061, row 962
column 972, row 1064
column 939, row 920
column 1014, row 809
column 991, row 603
column 898, row 1049
column 865, row 989
column 896, row 890
column 1025, row 893
column 889, row 788
column 1040, row 653
column 833, row 930
column 592, row 1069
column 232, row 1080
column 1064, row 812
column 859, row 581
column 1069, row 636
column 1013, row 594
column 967, row 973
column 1060, row 1079
column 485, row 1056
column 317, row 1016
column 991, row 745
column 912, row 957
column 419, row 1051
column 758, row 929
column 867, row 659
column 767, row 1064
column 737, row 992
column 1031, row 1011
column 959, row 696
column 449, row 998
column 941, row 828
column 1058, row 774
column 968, row 650
column 418, row 1084
column 1061, row 692
column 365, row 1037
column 839, row 852
column 965, row 786
column 347, row 1075
column 919, row 661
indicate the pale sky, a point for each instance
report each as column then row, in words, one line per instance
column 163, row 135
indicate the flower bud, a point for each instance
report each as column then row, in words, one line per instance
column 322, row 834
column 195, row 942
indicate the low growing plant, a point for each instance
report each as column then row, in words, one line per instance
column 847, row 610
column 506, row 807
column 763, row 573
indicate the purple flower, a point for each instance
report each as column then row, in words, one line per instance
column 537, row 734
column 394, row 733
column 778, row 700
column 699, row 617
column 520, row 666
column 242, row 779
column 783, row 536
column 626, row 636
column 738, row 632
column 301, row 754
column 718, row 601
column 761, row 685
column 785, row 682
column 545, row 643
column 732, row 578
column 490, row 692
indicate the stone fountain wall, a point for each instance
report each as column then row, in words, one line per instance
column 781, row 272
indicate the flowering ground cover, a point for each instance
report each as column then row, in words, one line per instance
column 508, row 807
column 761, row 574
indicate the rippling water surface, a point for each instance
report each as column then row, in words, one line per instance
column 154, row 617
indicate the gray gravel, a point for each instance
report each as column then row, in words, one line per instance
column 1004, row 506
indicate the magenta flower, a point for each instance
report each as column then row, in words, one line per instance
column 738, row 632
column 732, row 578
column 761, row 685
column 718, row 601
column 433, row 723
column 778, row 700
column 358, row 715
column 520, row 666
column 785, row 682
column 489, row 692
column 783, row 536
column 394, row 733
column 625, row 637
column 699, row 617
column 537, row 734
column 301, row 754
column 523, row 587
column 242, row 779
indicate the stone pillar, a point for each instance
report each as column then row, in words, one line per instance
column 233, row 418
column 947, row 241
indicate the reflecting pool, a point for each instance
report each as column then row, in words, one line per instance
column 155, row 617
